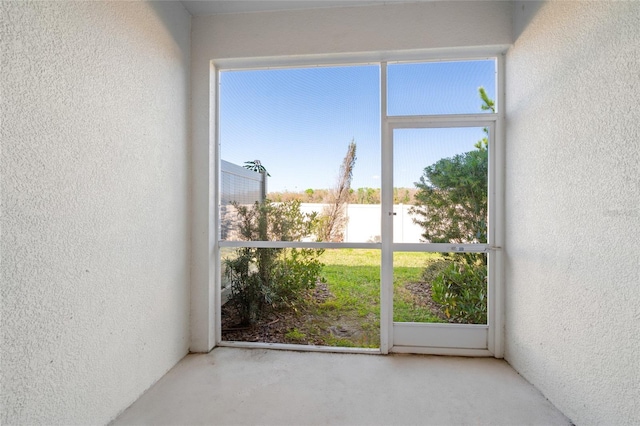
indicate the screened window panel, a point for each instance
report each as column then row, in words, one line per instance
column 449, row 168
column 438, row 88
column 299, row 124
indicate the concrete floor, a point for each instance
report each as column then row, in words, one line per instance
column 257, row 386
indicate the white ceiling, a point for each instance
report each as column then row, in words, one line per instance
column 211, row 7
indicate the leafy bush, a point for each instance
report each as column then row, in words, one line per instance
column 296, row 271
column 461, row 288
column 452, row 207
column 433, row 269
column 263, row 278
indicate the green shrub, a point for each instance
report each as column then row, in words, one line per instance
column 461, row 288
column 296, row 271
column 263, row 278
column 433, row 269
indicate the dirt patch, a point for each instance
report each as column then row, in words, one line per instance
column 421, row 292
column 310, row 324
column 277, row 326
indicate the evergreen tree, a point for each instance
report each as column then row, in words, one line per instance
column 451, row 201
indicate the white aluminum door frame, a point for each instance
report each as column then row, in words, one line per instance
column 494, row 327
column 455, row 339
column 445, row 339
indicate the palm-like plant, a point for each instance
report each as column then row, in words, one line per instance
column 256, row 166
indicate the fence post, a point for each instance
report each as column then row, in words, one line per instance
column 263, row 186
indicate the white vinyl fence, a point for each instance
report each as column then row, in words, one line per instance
column 238, row 185
column 363, row 224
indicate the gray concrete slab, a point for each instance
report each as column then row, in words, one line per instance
column 257, row 386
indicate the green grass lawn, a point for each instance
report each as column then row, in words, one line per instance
column 351, row 317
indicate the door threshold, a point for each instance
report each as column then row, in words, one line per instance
column 300, row 348
column 425, row 350
column 366, row 351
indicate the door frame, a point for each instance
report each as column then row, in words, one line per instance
column 445, row 339
column 210, row 321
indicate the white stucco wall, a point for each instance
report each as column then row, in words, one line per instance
column 573, row 207
column 428, row 26
column 95, row 205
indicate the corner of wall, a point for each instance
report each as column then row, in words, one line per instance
column 572, row 213
column 95, row 244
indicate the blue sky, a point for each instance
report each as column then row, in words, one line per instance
column 298, row 122
column 416, row 148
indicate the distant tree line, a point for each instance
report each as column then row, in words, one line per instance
column 356, row 196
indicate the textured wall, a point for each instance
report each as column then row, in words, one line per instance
column 573, row 207
column 437, row 24
column 428, row 25
column 95, row 225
